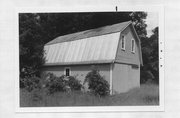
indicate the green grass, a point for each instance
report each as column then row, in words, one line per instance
column 145, row 95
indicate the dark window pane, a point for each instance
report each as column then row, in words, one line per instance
column 132, row 46
column 123, row 42
column 67, row 72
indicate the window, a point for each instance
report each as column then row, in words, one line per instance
column 133, row 45
column 67, row 71
column 123, row 43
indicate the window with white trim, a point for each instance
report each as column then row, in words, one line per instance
column 132, row 45
column 67, row 71
column 123, row 41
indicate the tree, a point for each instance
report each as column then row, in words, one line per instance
column 30, row 45
column 150, row 70
column 138, row 20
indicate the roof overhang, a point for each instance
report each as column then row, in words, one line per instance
column 80, row 63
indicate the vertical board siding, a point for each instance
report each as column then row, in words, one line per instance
column 125, row 77
column 135, row 77
column 120, row 78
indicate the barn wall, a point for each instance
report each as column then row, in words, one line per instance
column 125, row 77
column 126, row 56
column 79, row 70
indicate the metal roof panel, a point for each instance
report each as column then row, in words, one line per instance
column 90, row 49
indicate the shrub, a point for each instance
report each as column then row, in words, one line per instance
column 30, row 83
column 61, row 84
column 54, row 83
column 73, row 83
column 97, row 84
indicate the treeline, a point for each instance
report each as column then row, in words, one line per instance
column 36, row 29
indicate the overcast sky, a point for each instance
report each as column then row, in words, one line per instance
column 151, row 21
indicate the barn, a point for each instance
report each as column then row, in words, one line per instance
column 114, row 49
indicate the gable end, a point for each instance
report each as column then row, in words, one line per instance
column 126, row 55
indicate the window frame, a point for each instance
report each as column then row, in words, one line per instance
column 123, row 39
column 69, row 71
column 133, row 45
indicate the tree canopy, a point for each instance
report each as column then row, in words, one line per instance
column 150, row 53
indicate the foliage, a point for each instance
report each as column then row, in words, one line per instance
column 54, row 83
column 73, row 83
column 138, row 20
column 30, row 45
column 150, row 70
column 61, row 84
column 30, row 83
column 97, row 84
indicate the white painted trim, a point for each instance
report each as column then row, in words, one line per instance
column 111, row 88
column 69, row 71
column 133, row 51
column 139, row 43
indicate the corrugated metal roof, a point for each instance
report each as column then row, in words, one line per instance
column 91, row 33
column 98, row 49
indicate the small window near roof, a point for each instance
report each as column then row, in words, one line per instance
column 123, row 42
column 67, row 71
column 133, row 45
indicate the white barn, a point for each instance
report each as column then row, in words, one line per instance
column 114, row 49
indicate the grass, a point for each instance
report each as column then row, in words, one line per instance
column 145, row 95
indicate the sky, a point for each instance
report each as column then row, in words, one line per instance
column 151, row 21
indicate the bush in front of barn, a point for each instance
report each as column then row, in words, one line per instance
column 97, row 84
column 54, row 84
column 74, row 83
column 61, row 84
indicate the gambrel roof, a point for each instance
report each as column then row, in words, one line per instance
column 86, row 47
column 90, row 33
